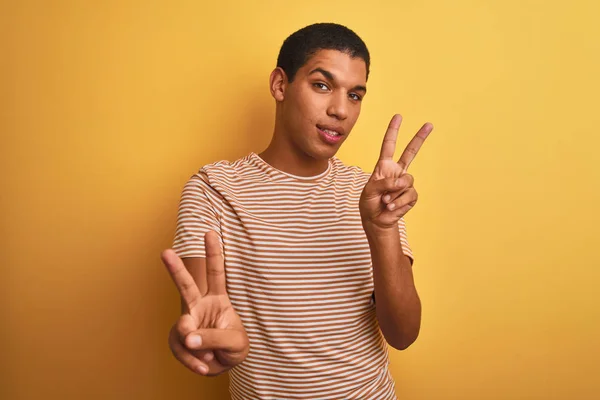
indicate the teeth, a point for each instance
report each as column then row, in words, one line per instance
column 332, row 133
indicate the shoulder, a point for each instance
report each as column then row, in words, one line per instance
column 224, row 171
column 225, row 167
column 210, row 177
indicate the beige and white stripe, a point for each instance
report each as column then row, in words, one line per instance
column 299, row 275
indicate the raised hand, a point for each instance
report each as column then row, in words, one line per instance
column 209, row 338
column 390, row 194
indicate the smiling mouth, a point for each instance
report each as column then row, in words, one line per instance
column 329, row 131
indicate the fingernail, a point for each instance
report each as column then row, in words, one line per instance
column 391, row 206
column 195, row 341
column 398, row 182
column 208, row 356
column 386, row 198
column 202, row 369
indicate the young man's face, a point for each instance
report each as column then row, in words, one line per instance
column 323, row 102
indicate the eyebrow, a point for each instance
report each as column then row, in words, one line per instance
column 330, row 76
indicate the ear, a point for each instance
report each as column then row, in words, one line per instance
column 278, row 83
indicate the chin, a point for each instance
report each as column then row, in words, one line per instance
column 316, row 149
column 323, row 152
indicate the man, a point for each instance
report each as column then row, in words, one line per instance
column 294, row 269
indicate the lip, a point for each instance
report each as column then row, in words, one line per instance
column 327, row 138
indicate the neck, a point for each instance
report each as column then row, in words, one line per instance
column 284, row 156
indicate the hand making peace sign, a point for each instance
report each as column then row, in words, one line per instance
column 389, row 193
column 209, row 337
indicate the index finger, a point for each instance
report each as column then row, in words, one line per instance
column 413, row 146
column 388, row 147
column 215, row 265
column 181, row 277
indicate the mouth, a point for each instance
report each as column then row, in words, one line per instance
column 330, row 135
column 331, row 131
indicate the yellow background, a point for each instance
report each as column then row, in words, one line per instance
column 106, row 108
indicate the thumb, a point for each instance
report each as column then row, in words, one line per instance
column 217, row 339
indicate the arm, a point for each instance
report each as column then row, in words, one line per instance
column 386, row 198
column 197, row 266
column 398, row 305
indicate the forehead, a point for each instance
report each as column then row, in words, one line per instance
column 342, row 66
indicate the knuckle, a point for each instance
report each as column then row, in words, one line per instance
column 215, row 271
column 186, row 286
column 176, row 349
column 182, row 326
column 246, row 342
column 405, row 180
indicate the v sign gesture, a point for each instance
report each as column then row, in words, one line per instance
column 209, row 337
column 389, row 194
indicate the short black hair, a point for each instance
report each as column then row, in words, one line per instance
column 304, row 43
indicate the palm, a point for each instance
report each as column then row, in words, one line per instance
column 216, row 312
column 373, row 206
column 387, row 169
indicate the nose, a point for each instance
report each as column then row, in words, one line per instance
column 338, row 106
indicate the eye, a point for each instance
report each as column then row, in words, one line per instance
column 355, row 97
column 321, row 86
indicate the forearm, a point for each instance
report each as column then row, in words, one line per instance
column 398, row 306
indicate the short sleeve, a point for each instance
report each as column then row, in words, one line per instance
column 198, row 213
column 404, row 240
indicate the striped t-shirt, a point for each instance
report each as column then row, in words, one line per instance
column 299, row 274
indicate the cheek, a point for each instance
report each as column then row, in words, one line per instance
column 309, row 105
column 307, row 98
column 354, row 113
